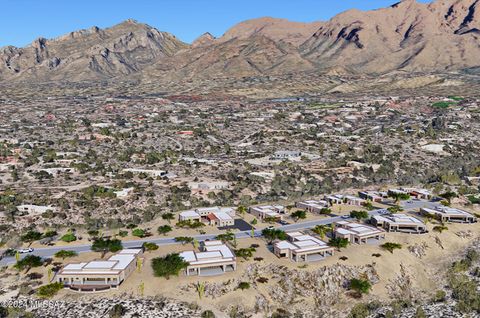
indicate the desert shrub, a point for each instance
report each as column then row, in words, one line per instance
column 360, row 286
column 50, row 290
column 262, row 280
column 389, row 246
column 150, row 246
column 440, row 296
column 208, row 314
column 69, row 237
column 359, row 311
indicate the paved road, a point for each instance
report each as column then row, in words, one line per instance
column 47, row 252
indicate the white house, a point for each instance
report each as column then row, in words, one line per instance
column 273, row 211
column 214, row 258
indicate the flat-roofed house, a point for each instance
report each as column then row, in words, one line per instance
column 448, row 214
column 419, row 193
column 99, row 275
column 399, row 223
column 214, row 258
column 300, row 247
column 264, row 211
column 344, row 199
column 214, row 216
column 357, row 233
column 373, row 196
column 312, row 206
column 189, row 215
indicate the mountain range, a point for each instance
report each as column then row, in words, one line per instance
column 442, row 36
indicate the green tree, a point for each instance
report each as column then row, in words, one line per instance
column 68, row 237
column 28, row 262
column 164, row 229
column 389, row 246
column 148, row 246
column 242, row 210
column 398, row 196
column 31, row 236
column 63, row 254
column 360, row 286
column 138, row 232
column 168, row 216
column 321, row 230
column 184, row 239
column 245, row 253
column 271, row 234
column 359, row 215
column 449, row 195
column 244, row 285
column 228, row 237
column 167, row 266
column 338, row 242
column 103, row 246
column 325, row 211
column 297, row 215
column 50, row 290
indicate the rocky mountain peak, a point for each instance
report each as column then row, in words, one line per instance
column 205, row 39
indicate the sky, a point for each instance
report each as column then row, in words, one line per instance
column 22, row 21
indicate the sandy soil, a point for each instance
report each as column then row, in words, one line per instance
column 424, row 270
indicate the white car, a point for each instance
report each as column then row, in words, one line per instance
column 25, row 250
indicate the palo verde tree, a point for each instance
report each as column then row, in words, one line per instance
column 104, row 246
column 273, row 234
column 321, row 230
column 359, row 215
column 31, row 236
column 389, row 246
column 28, row 262
column 297, row 215
column 338, row 242
column 63, row 254
column 360, row 286
column 167, row 266
column 164, row 229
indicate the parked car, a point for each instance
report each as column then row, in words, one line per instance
column 345, row 217
column 283, row 222
column 25, row 250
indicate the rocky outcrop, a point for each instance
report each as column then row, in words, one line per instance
column 408, row 36
column 99, row 307
column 89, row 54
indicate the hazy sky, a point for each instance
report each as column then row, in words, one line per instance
column 22, row 21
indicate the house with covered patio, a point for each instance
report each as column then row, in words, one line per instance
column 358, row 233
column 99, row 275
column 448, row 214
column 399, row 223
column 214, row 258
column 300, row 247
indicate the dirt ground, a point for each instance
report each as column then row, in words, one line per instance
column 424, row 270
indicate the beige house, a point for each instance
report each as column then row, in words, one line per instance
column 358, row 233
column 447, row 214
column 345, row 199
column 264, row 211
column 312, row 206
column 213, row 216
column 399, row 223
column 300, row 247
column 99, row 275
column 214, row 258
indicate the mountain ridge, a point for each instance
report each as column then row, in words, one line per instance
column 441, row 36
